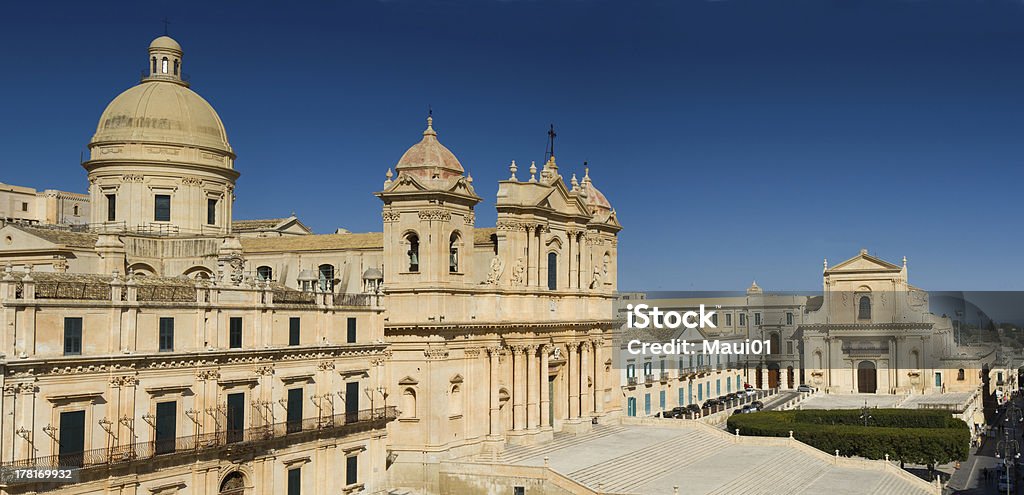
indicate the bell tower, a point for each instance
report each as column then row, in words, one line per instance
column 428, row 218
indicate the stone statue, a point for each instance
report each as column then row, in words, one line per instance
column 497, row 268
column 595, row 282
column 518, row 272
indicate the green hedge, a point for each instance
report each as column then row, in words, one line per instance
column 920, row 437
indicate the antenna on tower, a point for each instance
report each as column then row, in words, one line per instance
column 550, row 151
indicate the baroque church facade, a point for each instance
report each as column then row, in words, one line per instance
column 163, row 352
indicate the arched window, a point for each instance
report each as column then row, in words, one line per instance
column 176, row 64
column 453, row 253
column 74, row 210
column 163, row 65
column 960, row 374
column 414, row 252
column 265, row 273
column 552, row 270
column 233, row 483
column 864, row 308
column 326, row 278
column 154, row 65
column 408, row 403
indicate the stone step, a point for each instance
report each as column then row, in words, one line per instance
column 516, row 453
column 631, row 470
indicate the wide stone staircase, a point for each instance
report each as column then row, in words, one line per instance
column 623, row 474
column 517, row 453
column 785, row 471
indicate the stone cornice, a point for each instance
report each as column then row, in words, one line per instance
column 70, row 366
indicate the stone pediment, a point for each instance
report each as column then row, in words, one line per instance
column 864, row 262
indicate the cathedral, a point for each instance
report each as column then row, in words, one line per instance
column 164, row 347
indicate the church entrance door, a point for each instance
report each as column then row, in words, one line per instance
column 773, row 375
column 867, row 377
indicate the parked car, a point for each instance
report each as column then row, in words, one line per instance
column 757, row 405
column 804, row 388
column 693, row 409
column 711, row 403
column 738, row 411
column 750, row 392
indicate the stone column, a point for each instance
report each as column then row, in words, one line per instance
column 598, row 376
column 764, row 376
column 533, row 383
column 574, row 380
column 545, row 397
column 586, row 399
column 518, row 388
column 784, row 378
column 495, row 429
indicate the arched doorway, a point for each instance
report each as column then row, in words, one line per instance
column 867, row 377
column 773, row 375
column 757, row 378
column 790, row 378
column 233, row 484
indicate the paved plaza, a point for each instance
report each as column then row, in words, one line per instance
column 855, row 401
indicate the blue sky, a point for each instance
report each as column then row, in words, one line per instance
column 737, row 139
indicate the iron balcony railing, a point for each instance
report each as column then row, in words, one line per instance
column 255, row 436
column 631, row 381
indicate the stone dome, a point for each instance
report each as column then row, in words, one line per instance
column 164, row 112
column 429, row 159
column 594, row 198
column 165, row 42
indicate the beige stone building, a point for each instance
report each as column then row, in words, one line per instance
column 25, row 205
column 870, row 332
column 168, row 348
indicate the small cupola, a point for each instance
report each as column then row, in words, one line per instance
column 165, row 61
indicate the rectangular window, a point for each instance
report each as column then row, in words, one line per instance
column 789, row 318
column 718, row 387
column 757, row 318
column 714, row 319
column 631, row 407
column 24, row 207
column 211, row 212
column 351, row 470
column 661, row 400
column 293, row 330
column 682, row 397
column 166, row 426
column 294, row 421
column 71, row 443
column 166, row 334
column 111, row 207
column 743, row 319
column 295, row 481
column 236, row 417
column 630, row 371
column 235, row 333
column 351, row 402
column 72, row 336
column 647, row 404
column 728, row 319
column 351, row 337
column 789, row 347
column 162, row 208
